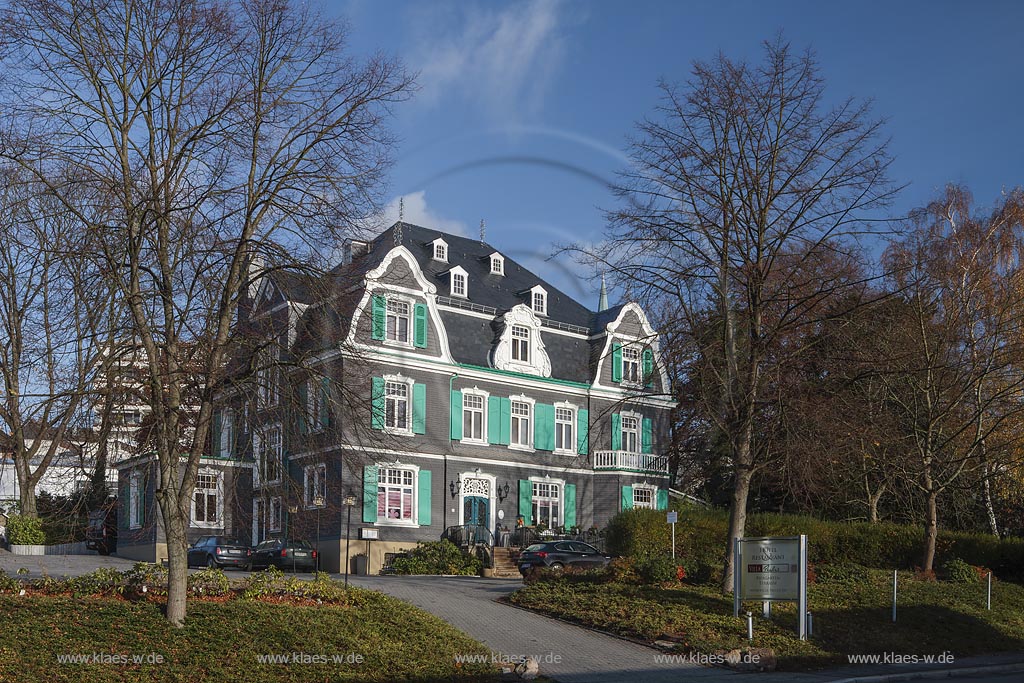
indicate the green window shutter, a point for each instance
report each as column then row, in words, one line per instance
column 616, row 362
column 494, row 419
column 377, row 403
column 582, row 430
column 456, row 415
column 420, row 326
column 616, row 432
column 423, row 518
column 505, row 436
column 379, row 321
column 303, row 406
column 370, row 493
column 325, row 402
column 648, row 367
column 526, row 500
column 419, row 408
column 627, row 497
column 215, row 435
column 646, row 435
column 570, row 506
column 544, row 427
column 662, row 499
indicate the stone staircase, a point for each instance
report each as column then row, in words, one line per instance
column 505, row 565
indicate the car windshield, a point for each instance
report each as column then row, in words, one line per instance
column 536, row 547
column 227, row 540
column 300, row 544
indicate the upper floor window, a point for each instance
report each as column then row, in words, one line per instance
column 397, row 321
column 266, row 379
column 520, row 344
column 565, row 427
column 274, row 521
column 472, row 417
column 631, row 365
column 631, row 433
column 521, row 433
column 396, row 405
column 226, row 438
column 458, row 284
column 395, row 494
column 271, row 456
column 440, row 250
column 497, row 264
column 540, row 303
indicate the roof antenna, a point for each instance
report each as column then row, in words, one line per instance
column 483, row 230
column 401, row 209
column 602, row 303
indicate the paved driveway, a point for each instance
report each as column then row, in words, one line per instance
column 567, row 653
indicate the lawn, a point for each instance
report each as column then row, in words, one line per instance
column 224, row 639
column 849, row 618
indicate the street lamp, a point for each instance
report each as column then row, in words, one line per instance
column 350, row 502
column 318, row 501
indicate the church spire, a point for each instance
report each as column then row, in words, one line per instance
column 602, row 303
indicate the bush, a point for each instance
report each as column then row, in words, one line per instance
column 8, row 583
column 209, row 582
column 639, row 533
column 658, row 569
column 958, row 571
column 622, row 570
column 437, row 557
column 25, row 531
column 146, row 577
column 844, row 573
column 701, row 572
column 103, row 581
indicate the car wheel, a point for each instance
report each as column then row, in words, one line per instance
column 211, row 563
column 556, row 567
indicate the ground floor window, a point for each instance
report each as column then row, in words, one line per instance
column 644, row 497
column 547, row 504
column 207, row 503
column 395, row 494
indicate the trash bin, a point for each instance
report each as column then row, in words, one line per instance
column 362, row 565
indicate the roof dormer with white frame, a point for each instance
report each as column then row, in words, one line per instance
column 439, row 250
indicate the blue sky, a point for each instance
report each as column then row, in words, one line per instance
column 524, row 108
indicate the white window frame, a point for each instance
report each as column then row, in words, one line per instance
column 314, row 483
column 560, row 483
column 573, row 414
column 519, row 343
column 133, row 501
column 407, row 382
column 638, row 430
column 456, row 274
column 539, row 303
column 313, row 407
column 413, row 520
column 531, row 416
column 218, row 492
column 410, row 307
column 266, row 457
column 648, row 490
column 226, row 437
column 267, row 389
column 483, row 396
column 275, row 514
column 439, row 250
column 497, row 264
column 632, row 357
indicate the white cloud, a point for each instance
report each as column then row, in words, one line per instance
column 503, row 59
column 414, row 210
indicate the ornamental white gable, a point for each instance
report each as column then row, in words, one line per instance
column 520, row 347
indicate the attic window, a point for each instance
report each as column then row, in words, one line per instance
column 540, row 302
column 459, row 282
column 441, row 251
column 497, row 264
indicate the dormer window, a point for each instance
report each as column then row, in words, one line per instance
column 459, row 282
column 439, row 250
column 497, row 264
column 539, row 300
column 520, row 344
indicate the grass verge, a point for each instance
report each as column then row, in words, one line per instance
column 849, row 619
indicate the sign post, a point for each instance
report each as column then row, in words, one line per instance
column 672, row 518
column 769, row 570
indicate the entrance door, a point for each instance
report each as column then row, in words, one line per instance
column 475, row 511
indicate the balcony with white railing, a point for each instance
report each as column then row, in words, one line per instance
column 627, row 461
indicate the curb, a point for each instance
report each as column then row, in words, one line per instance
column 933, row 673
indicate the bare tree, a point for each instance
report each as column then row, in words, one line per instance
column 209, row 132
column 741, row 176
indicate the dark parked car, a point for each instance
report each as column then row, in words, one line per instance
column 219, row 551
column 290, row 554
column 101, row 532
column 559, row 554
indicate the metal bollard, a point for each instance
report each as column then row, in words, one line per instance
column 988, row 601
column 750, row 627
column 894, row 596
column 810, row 625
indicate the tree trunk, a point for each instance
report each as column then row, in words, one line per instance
column 177, row 556
column 738, row 506
column 27, row 500
column 931, row 531
column 990, row 510
column 873, row 500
